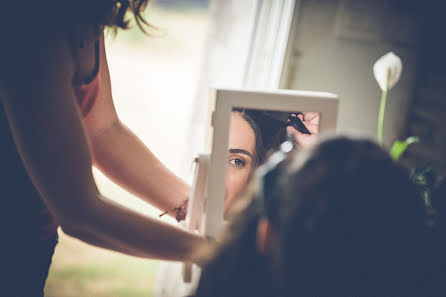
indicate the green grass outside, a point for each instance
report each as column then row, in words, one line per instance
column 82, row 270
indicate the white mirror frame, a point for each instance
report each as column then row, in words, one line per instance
column 222, row 101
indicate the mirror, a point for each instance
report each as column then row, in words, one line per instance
column 253, row 134
column 245, row 126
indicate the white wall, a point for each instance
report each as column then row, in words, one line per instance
column 335, row 46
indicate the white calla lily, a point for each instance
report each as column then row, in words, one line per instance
column 387, row 71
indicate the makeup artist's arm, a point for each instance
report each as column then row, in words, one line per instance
column 124, row 158
column 41, row 109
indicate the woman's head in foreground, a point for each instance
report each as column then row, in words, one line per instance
column 340, row 219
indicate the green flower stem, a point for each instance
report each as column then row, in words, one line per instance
column 382, row 110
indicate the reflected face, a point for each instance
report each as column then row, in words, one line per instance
column 242, row 142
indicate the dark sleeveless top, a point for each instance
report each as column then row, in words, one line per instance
column 22, row 209
column 24, row 214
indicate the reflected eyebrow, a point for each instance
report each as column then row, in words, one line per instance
column 240, row 151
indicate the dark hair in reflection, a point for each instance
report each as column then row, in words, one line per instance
column 347, row 220
column 272, row 129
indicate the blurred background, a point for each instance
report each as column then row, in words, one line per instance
column 154, row 81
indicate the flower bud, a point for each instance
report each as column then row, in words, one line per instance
column 387, row 71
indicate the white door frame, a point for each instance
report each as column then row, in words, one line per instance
column 269, row 48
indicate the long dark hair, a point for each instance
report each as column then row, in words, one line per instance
column 348, row 222
column 234, row 267
column 99, row 13
column 115, row 13
column 28, row 27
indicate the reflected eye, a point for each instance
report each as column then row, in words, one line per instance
column 237, row 162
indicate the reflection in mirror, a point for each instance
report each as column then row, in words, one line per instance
column 253, row 134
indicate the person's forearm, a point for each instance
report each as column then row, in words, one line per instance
column 133, row 234
column 45, row 124
column 124, row 158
